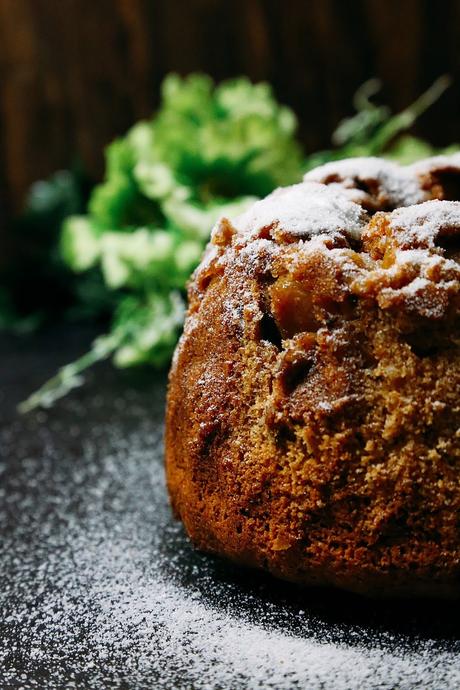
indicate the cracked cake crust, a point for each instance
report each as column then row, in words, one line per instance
column 313, row 417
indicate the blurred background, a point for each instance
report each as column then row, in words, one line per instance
column 75, row 74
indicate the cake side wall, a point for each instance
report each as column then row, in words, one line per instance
column 345, row 475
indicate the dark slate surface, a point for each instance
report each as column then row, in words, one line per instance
column 99, row 587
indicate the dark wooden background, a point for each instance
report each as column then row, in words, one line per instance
column 75, row 73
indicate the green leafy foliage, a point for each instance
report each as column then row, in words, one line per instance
column 209, row 151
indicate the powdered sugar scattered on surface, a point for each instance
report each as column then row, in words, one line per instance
column 302, row 211
column 100, row 588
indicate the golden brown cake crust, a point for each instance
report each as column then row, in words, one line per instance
column 313, row 419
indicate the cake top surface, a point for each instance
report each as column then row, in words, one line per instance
column 423, row 224
column 341, row 197
column 400, row 184
column 302, row 211
column 391, row 232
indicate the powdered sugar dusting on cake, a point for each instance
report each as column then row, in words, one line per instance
column 435, row 164
column 302, row 211
column 389, row 182
column 399, row 258
column 422, row 225
column 333, row 198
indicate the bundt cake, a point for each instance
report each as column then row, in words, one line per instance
column 313, row 415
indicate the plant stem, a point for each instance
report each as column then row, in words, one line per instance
column 69, row 376
column 407, row 117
